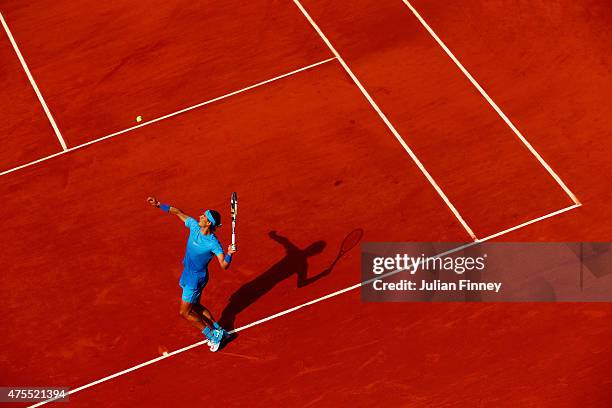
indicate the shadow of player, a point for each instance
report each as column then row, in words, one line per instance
column 295, row 262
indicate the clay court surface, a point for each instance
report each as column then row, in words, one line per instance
column 250, row 97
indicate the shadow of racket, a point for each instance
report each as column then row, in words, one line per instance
column 349, row 242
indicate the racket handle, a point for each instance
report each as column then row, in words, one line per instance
column 233, row 241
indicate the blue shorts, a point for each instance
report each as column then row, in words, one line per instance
column 192, row 286
column 191, row 295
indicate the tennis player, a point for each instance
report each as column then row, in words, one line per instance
column 202, row 245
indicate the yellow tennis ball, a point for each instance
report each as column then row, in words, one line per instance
column 138, row 118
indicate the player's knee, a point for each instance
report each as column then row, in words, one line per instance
column 184, row 313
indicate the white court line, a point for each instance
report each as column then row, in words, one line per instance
column 312, row 302
column 168, row 116
column 33, row 83
column 552, row 214
column 387, row 122
column 493, row 104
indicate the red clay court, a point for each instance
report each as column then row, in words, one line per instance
column 451, row 121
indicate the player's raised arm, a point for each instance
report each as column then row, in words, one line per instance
column 226, row 260
column 167, row 208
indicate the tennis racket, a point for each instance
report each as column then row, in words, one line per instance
column 234, row 212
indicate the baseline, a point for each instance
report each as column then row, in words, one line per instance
column 303, row 305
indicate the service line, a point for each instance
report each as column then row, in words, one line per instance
column 178, row 112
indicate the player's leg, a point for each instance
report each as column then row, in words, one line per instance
column 190, row 308
column 188, row 312
column 208, row 317
column 205, row 313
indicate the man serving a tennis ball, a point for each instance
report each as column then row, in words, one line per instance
column 202, row 244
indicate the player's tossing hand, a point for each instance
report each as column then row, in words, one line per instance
column 153, row 201
column 230, row 250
